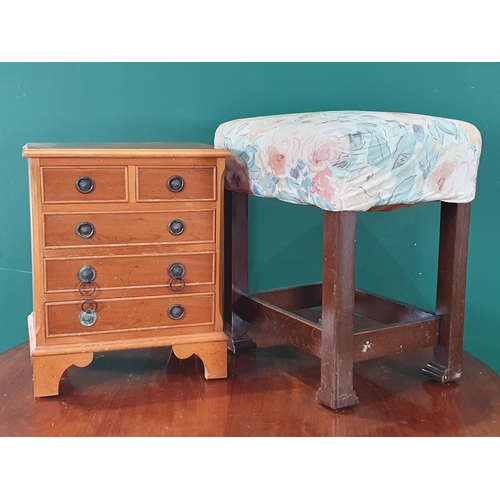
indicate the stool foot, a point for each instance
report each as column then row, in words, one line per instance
column 440, row 373
column 241, row 344
column 336, row 402
column 238, row 338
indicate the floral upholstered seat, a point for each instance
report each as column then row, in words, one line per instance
column 352, row 160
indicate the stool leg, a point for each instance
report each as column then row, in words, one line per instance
column 339, row 261
column 235, row 268
column 450, row 304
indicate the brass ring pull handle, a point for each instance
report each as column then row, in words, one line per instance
column 85, row 185
column 176, row 311
column 88, row 316
column 177, row 284
column 86, row 274
column 176, row 227
column 87, row 302
column 175, row 183
column 85, row 230
column 176, row 270
column 89, row 292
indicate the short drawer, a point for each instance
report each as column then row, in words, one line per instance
column 129, row 228
column 84, row 184
column 172, row 272
column 144, row 313
column 175, row 184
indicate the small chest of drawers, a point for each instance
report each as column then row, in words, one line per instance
column 127, row 253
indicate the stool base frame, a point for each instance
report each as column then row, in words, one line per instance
column 353, row 325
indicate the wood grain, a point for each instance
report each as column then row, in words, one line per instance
column 159, row 337
column 381, row 309
column 235, row 268
column 219, row 238
column 339, row 258
column 284, row 312
column 199, row 184
column 213, row 355
column 386, row 310
column 371, row 339
column 134, row 313
column 105, row 251
column 131, row 249
column 129, row 228
column 160, row 161
column 450, row 300
column 59, row 184
column 37, row 332
column 292, row 328
column 270, row 392
column 47, row 371
column 293, row 298
column 131, row 271
column 116, row 150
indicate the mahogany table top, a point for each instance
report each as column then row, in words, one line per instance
column 270, row 391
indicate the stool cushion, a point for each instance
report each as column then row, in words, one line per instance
column 352, row 160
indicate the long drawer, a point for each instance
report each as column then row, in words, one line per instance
column 180, row 270
column 142, row 313
column 128, row 228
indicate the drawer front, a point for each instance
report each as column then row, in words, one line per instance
column 132, row 272
column 175, row 184
column 145, row 313
column 129, row 228
column 61, row 185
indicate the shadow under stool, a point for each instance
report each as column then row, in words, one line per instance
column 344, row 163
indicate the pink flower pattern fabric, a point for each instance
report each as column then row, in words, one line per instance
column 352, row 160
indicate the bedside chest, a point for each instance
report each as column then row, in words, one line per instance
column 127, row 253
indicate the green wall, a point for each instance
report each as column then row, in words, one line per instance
column 120, row 102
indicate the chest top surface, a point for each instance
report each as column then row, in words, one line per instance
column 129, row 150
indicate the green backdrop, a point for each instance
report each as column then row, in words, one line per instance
column 122, row 102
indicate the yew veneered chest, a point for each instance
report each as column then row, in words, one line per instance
column 127, row 253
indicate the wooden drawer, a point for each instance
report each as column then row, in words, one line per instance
column 195, row 184
column 130, row 271
column 129, row 228
column 108, row 184
column 142, row 313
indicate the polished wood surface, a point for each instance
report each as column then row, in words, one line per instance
column 128, row 209
column 235, row 268
column 117, row 341
column 130, row 150
column 337, row 329
column 129, row 314
column 371, row 339
column 213, row 355
column 129, row 228
column 48, row 370
column 450, row 300
column 199, row 184
column 332, row 335
column 270, row 391
column 142, row 271
column 59, row 184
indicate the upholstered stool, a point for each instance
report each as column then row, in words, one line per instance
column 345, row 162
